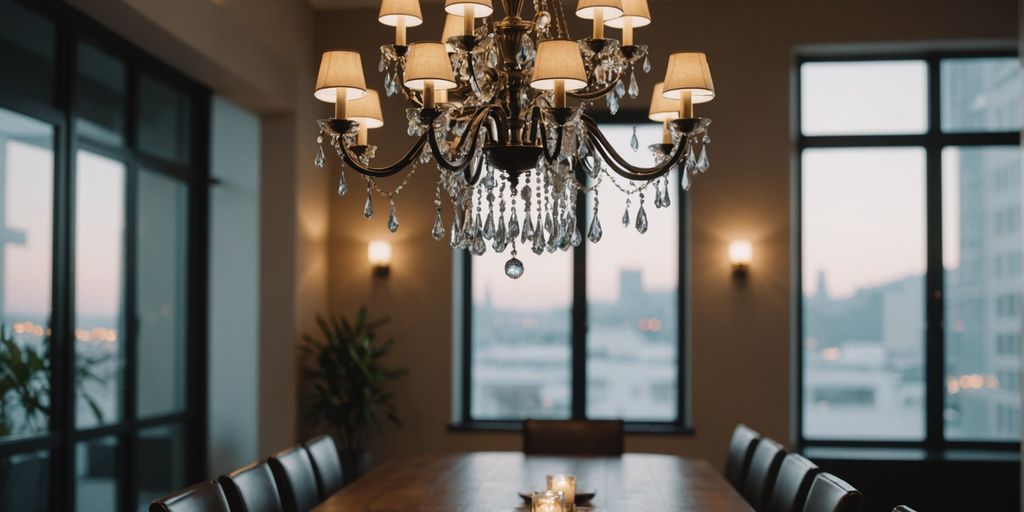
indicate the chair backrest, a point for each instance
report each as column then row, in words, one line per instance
column 251, row 489
column 326, row 465
column 202, row 497
column 831, row 494
column 573, row 437
column 741, row 449
column 764, row 468
column 903, row 508
column 792, row 485
column 296, row 483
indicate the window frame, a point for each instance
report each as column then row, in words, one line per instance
column 61, row 438
column 933, row 141
column 579, row 311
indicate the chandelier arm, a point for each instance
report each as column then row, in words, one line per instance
column 474, row 128
column 620, row 165
column 551, row 157
column 383, row 172
column 587, row 94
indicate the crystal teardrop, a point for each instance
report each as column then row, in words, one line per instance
column 596, row 232
column 691, row 161
column 613, row 104
column 685, row 180
column 319, row 160
column 380, row 67
column 500, row 240
column 488, row 231
column 577, row 237
column 455, row 238
column 438, row 232
column 389, row 84
column 702, row 162
column 342, row 185
column 647, row 63
column 513, row 226
column 634, row 89
column 666, row 199
column 657, row 195
column 368, row 206
column 479, row 247
column 514, row 268
column 527, row 229
column 634, row 141
column 393, row 219
column 625, row 215
column 641, row 219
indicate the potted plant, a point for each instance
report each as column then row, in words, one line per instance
column 346, row 381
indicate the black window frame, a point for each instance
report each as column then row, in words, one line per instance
column 933, row 141
column 578, row 335
column 61, row 437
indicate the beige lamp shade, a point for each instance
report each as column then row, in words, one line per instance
column 391, row 11
column 635, row 10
column 428, row 61
column 340, row 69
column 689, row 71
column 366, row 110
column 481, row 8
column 662, row 108
column 452, row 28
column 587, row 9
column 559, row 59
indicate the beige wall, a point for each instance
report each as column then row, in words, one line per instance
column 740, row 365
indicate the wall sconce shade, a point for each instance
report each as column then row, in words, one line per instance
column 741, row 255
column 429, row 62
column 391, row 11
column 559, row 59
column 662, row 108
column 379, row 254
column 689, row 71
column 340, row 69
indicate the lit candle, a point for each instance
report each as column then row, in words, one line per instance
column 686, row 105
column 341, row 103
column 467, row 19
column 400, row 31
column 627, row 31
column 599, row 23
column 560, row 93
column 566, row 484
column 548, row 501
column 428, row 94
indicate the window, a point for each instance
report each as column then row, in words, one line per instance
column 100, row 279
column 592, row 332
column 910, row 206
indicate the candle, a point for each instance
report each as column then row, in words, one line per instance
column 467, row 19
column 627, row 31
column 599, row 23
column 548, row 501
column 340, row 103
column 400, row 32
column 559, row 93
column 428, row 94
column 566, row 484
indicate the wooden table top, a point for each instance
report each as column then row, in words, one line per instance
column 490, row 481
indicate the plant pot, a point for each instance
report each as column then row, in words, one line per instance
column 354, row 464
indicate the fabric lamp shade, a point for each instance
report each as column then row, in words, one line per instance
column 366, row 110
column 689, row 71
column 481, row 8
column 559, row 59
column 391, row 11
column 428, row 62
column 340, row 69
column 587, row 9
column 635, row 10
column 662, row 108
column 452, row 28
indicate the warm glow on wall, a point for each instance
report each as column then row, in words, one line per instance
column 741, row 254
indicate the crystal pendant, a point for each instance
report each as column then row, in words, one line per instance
column 527, row 229
column 702, row 162
column 685, row 180
column 368, row 206
column 389, row 85
column 647, row 63
column 634, row 89
column 691, row 161
column 595, row 233
column 478, row 248
column 706, row 139
column 393, row 219
column 620, row 88
column 658, row 195
column 634, row 141
column 538, row 242
column 625, row 215
column 513, row 226
column 488, row 231
column 438, row 231
column 342, row 185
column 319, row 160
column 666, row 199
column 641, row 219
column 514, row 268
column 577, row 237
column 380, row 67
column 455, row 239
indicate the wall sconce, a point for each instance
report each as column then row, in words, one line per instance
column 379, row 254
column 741, row 254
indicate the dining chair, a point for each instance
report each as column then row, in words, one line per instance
column 573, row 437
column 792, row 485
column 202, row 497
column 251, row 489
column 764, row 468
column 829, row 493
column 903, row 508
column 296, row 483
column 741, row 449
column 326, row 465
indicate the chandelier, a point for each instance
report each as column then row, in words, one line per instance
column 490, row 107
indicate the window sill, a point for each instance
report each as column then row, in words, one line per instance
column 910, row 454
column 517, row 427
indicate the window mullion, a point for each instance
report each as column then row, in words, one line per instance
column 934, row 340
column 579, row 318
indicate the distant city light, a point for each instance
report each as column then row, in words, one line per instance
column 832, row 354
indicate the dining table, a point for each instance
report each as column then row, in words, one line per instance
column 493, row 481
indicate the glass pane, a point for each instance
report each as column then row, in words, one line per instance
column 981, row 95
column 28, row 49
column 165, row 444
column 864, row 260
column 99, row 288
column 982, row 257
column 25, row 481
column 100, row 95
column 522, row 337
column 161, row 283
column 26, row 254
column 164, row 121
column 632, row 299
column 96, row 475
column 861, row 98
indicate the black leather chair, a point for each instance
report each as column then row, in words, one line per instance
column 831, row 494
column 792, row 485
column 741, row 449
column 764, row 468
column 903, row 508
column 296, row 483
column 251, row 489
column 202, row 497
column 326, row 465
column 573, row 437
